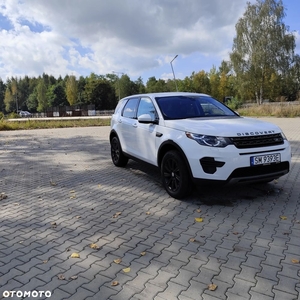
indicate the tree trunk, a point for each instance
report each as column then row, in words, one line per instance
column 260, row 95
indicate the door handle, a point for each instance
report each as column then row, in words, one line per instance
column 134, row 124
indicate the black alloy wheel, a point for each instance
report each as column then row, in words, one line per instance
column 117, row 156
column 175, row 175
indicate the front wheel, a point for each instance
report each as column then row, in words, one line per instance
column 175, row 175
column 117, row 156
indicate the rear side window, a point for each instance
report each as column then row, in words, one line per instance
column 130, row 108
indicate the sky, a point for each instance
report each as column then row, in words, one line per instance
column 139, row 38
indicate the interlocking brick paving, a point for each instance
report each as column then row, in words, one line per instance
column 64, row 194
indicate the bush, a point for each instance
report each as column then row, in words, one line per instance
column 13, row 115
column 234, row 103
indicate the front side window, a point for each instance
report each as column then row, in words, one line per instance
column 130, row 108
column 146, row 107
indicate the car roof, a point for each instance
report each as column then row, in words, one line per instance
column 168, row 94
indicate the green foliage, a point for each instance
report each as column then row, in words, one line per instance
column 41, row 96
column 234, row 103
column 56, row 95
column 72, row 90
column 13, row 115
column 262, row 46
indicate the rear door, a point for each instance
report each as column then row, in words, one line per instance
column 127, row 124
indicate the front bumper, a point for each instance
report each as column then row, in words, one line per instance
column 230, row 164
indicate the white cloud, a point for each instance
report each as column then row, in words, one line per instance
column 61, row 37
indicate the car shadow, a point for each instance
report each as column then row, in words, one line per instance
column 227, row 195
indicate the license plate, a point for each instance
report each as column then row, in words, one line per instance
column 265, row 159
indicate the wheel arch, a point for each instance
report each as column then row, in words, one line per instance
column 112, row 134
column 168, row 146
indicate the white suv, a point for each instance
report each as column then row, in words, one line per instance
column 193, row 138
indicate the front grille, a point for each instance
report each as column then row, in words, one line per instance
column 254, row 141
column 273, row 169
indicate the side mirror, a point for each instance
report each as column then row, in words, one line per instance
column 146, row 118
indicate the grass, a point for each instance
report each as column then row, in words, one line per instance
column 278, row 110
column 46, row 124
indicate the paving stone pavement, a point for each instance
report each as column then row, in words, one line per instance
column 64, row 194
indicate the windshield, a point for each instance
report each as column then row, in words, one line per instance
column 183, row 107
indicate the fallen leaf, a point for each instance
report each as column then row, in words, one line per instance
column 235, row 233
column 3, row 196
column 212, row 287
column 199, row 220
column 117, row 260
column 143, row 253
column 99, row 185
column 115, row 283
column 53, row 224
column 73, row 197
column 45, row 261
column 192, row 240
column 148, row 213
column 283, row 217
column 75, row 255
column 171, row 232
column 198, row 210
column 73, row 277
column 116, row 214
column 94, row 246
column 72, row 191
column 61, row 277
column 78, row 217
column 53, row 183
column 295, row 261
column 126, row 270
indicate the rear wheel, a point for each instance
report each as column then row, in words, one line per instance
column 175, row 175
column 117, row 156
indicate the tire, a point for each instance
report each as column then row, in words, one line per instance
column 117, row 156
column 175, row 176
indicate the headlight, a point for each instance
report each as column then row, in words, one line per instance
column 208, row 140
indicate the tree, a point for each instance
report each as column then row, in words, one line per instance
column 139, row 86
column 2, row 94
column 72, row 90
column 262, row 45
column 42, row 96
column 56, row 95
column 201, row 82
column 126, row 86
column 99, row 91
column 9, row 100
column 32, row 101
column 291, row 82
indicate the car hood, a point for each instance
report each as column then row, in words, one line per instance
column 226, row 127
